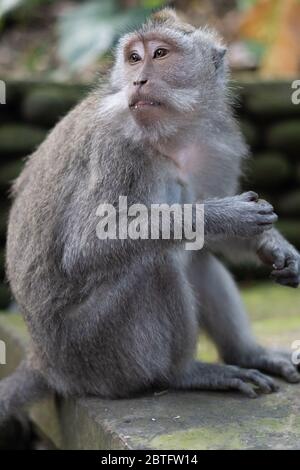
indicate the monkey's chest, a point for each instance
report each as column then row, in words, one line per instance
column 187, row 160
column 203, row 172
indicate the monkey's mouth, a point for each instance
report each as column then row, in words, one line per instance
column 143, row 103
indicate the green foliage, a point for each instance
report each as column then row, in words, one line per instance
column 7, row 6
column 5, row 296
column 289, row 204
column 290, row 229
column 46, row 105
column 245, row 4
column 249, row 133
column 285, row 136
column 21, row 10
column 153, row 3
column 9, row 172
column 269, row 170
column 89, row 30
column 19, row 139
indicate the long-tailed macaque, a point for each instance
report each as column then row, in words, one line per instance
column 111, row 318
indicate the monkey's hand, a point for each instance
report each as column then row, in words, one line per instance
column 243, row 216
column 277, row 252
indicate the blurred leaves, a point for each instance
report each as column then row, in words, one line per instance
column 8, row 5
column 89, row 30
column 276, row 25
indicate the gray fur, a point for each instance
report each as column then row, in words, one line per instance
column 113, row 318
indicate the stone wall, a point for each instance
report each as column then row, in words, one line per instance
column 270, row 122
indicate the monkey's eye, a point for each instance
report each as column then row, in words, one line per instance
column 160, row 52
column 134, row 58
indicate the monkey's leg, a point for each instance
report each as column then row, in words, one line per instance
column 21, row 388
column 201, row 376
column 224, row 317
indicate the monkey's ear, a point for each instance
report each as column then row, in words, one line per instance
column 218, row 56
column 165, row 15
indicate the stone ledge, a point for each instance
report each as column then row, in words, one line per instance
column 196, row 420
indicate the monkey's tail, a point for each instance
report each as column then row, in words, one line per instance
column 23, row 387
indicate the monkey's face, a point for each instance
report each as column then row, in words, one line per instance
column 168, row 76
column 155, row 73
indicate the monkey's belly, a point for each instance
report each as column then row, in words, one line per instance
column 138, row 337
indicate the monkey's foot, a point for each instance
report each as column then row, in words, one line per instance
column 277, row 363
column 224, row 377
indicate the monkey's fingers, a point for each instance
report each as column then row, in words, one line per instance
column 288, row 275
column 244, row 387
column 249, row 196
column 271, row 255
column 278, row 364
column 267, row 219
column 264, row 383
column 265, row 207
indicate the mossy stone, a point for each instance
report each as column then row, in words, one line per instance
column 272, row 103
column 249, row 133
column 19, row 139
column 249, row 271
column 45, row 106
column 298, row 173
column 3, row 224
column 16, row 90
column 2, row 264
column 285, row 136
column 291, row 230
column 289, row 204
column 10, row 171
column 5, row 296
column 269, row 170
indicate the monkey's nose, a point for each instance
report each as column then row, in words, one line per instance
column 140, row 82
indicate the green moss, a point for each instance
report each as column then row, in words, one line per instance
column 275, row 326
column 298, row 174
column 10, row 171
column 269, row 300
column 291, row 230
column 289, row 204
column 2, row 264
column 5, row 296
column 19, row 139
column 206, row 350
column 272, row 102
column 201, row 438
column 3, row 225
column 235, row 431
column 285, row 136
column 250, row 133
column 269, row 170
column 244, row 271
column 45, row 106
column 13, row 321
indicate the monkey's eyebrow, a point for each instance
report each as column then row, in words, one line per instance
column 128, row 47
column 166, row 41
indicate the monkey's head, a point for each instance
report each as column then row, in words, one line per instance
column 169, row 71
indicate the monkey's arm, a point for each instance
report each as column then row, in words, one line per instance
column 241, row 216
column 237, row 216
column 272, row 249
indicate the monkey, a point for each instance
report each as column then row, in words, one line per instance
column 116, row 318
